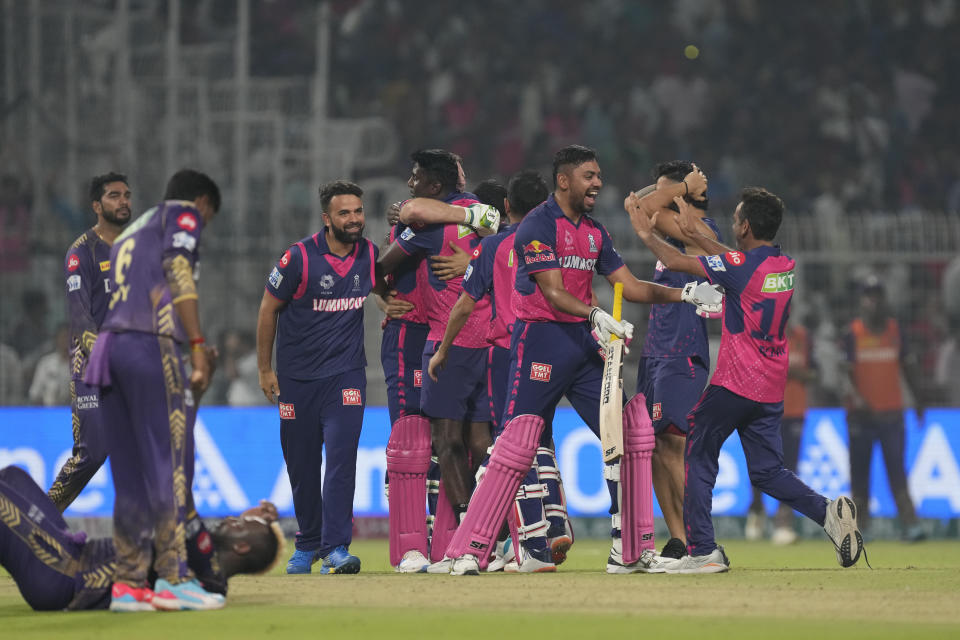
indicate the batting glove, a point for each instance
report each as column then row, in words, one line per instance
column 708, row 298
column 483, row 218
column 604, row 325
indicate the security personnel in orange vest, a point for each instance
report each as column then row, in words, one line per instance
column 876, row 358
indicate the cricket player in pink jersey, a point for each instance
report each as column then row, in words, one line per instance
column 747, row 388
column 553, row 355
column 457, row 406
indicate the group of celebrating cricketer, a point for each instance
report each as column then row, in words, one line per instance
column 491, row 319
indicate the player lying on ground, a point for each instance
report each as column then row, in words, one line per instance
column 746, row 391
column 57, row 569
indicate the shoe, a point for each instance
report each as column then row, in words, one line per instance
column 511, row 567
column 559, row 547
column 301, row 561
column 841, row 527
column 756, row 523
column 535, row 561
column 503, row 555
column 914, row 534
column 783, row 536
column 413, row 562
column 187, row 595
column 440, row 566
column 615, row 560
column 340, row 561
column 650, row 562
column 123, row 597
column 467, row 565
column 714, row 562
column 674, row 549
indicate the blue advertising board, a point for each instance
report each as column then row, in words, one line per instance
column 239, row 462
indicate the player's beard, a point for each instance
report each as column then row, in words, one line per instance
column 347, row 237
column 119, row 219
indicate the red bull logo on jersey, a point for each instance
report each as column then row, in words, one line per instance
column 537, row 251
column 778, row 282
column 338, row 304
column 352, row 397
column 287, row 412
column 73, row 262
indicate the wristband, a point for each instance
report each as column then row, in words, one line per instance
column 197, row 344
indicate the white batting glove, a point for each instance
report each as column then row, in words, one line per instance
column 483, row 218
column 604, row 326
column 708, row 298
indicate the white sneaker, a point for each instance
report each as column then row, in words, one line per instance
column 503, row 555
column 413, row 562
column 756, row 523
column 467, row 565
column 440, row 566
column 651, row 562
column 841, row 527
column 511, row 567
column 783, row 536
column 714, row 562
column 615, row 560
column 528, row 563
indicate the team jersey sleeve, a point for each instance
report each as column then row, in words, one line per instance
column 730, row 270
column 609, row 259
column 181, row 234
column 285, row 277
column 478, row 279
column 80, row 276
column 427, row 240
column 534, row 244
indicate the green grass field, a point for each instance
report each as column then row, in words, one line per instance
column 771, row 593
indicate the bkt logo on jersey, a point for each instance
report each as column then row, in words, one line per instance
column 778, row 282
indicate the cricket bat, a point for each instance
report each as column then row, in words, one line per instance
column 611, row 390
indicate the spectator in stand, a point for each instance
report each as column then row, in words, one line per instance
column 11, row 376
column 51, row 378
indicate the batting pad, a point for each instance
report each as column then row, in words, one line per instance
column 512, row 457
column 444, row 526
column 636, row 480
column 408, row 458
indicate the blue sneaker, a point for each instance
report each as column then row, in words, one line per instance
column 185, row 595
column 301, row 561
column 340, row 561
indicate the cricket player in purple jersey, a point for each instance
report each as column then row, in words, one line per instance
column 553, row 354
column 747, row 388
column 57, row 569
column 153, row 311
column 86, row 271
column 457, row 406
column 675, row 363
column 540, row 508
column 313, row 307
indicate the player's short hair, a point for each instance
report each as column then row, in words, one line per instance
column 439, row 165
column 98, row 184
column 491, row 192
column 677, row 170
column 763, row 210
column 189, row 184
column 572, row 155
column 336, row 188
column 526, row 190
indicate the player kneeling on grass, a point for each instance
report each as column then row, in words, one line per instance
column 57, row 569
column 747, row 388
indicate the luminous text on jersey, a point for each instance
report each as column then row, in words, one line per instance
column 338, row 304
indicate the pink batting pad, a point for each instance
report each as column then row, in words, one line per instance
column 408, row 458
column 512, row 457
column 636, row 480
column 444, row 526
